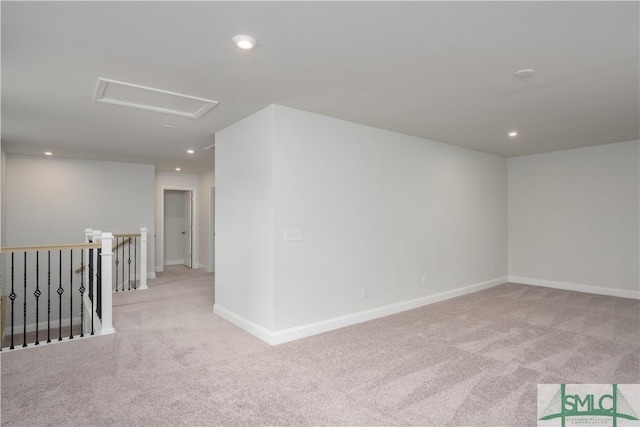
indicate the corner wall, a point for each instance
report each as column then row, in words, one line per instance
column 378, row 212
column 244, row 223
column 574, row 219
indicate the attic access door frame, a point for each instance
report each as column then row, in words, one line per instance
column 194, row 226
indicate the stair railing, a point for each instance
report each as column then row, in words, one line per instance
column 40, row 278
column 128, row 274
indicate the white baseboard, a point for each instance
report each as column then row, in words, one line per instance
column 253, row 328
column 159, row 268
column 151, row 275
column 174, row 262
column 310, row 329
column 205, row 267
column 577, row 287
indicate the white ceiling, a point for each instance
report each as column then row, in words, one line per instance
column 438, row 70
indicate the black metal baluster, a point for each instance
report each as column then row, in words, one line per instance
column 81, row 290
column 37, row 294
column 99, row 284
column 48, row 296
column 60, row 291
column 117, row 263
column 12, row 297
column 24, row 305
column 91, row 292
column 122, row 249
column 71, row 294
column 129, row 262
column 135, row 262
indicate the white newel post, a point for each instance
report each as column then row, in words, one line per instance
column 143, row 258
column 107, row 283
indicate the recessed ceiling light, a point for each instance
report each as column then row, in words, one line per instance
column 513, row 133
column 169, row 126
column 245, row 42
column 178, row 169
column 48, row 153
column 191, row 151
column 525, row 72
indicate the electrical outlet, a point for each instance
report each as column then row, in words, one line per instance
column 424, row 280
column 365, row 292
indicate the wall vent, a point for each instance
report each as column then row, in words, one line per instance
column 147, row 98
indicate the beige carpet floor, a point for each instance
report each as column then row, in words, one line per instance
column 470, row 361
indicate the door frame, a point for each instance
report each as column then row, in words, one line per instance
column 194, row 225
column 212, row 231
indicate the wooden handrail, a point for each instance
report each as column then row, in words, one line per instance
column 115, row 248
column 63, row 247
column 120, row 244
column 115, row 236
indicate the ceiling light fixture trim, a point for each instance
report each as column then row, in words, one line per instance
column 245, row 42
column 524, row 73
column 151, row 99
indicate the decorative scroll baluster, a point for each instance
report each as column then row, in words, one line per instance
column 24, row 305
column 81, row 290
column 71, row 294
column 12, row 297
column 60, row 291
column 48, row 296
column 37, row 294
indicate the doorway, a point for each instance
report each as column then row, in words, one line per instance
column 178, row 227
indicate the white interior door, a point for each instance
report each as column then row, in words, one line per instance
column 187, row 233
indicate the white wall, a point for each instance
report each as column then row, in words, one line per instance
column 3, row 197
column 207, row 181
column 377, row 209
column 244, row 220
column 3, row 210
column 173, row 227
column 52, row 200
column 175, row 181
column 574, row 219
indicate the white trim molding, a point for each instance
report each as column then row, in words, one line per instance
column 577, row 287
column 315, row 328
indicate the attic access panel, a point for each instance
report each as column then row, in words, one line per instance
column 147, row 98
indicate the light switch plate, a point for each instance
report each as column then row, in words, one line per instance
column 292, row 234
